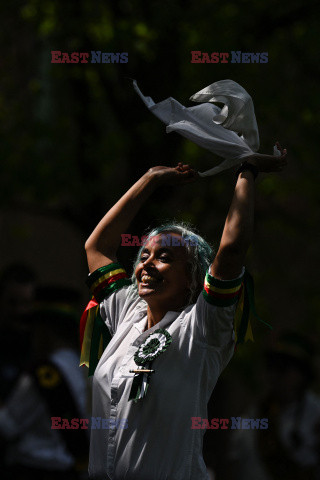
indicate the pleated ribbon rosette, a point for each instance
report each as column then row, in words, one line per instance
column 155, row 344
column 231, row 132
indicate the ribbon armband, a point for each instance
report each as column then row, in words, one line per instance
column 223, row 293
column 94, row 333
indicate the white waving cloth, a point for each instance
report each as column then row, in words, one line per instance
column 230, row 132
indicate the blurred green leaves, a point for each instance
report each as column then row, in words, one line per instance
column 75, row 136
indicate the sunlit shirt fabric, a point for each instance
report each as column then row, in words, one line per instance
column 158, row 443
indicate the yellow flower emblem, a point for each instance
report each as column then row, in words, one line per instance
column 48, row 376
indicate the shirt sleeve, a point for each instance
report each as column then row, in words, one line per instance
column 112, row 289
column 215, row 309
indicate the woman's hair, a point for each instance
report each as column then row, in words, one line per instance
column 200, row 254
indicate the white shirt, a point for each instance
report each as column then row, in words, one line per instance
column 158, row 443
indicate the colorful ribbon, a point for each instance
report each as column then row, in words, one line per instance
column 94, row 333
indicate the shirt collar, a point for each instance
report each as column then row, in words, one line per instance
column 166, row 320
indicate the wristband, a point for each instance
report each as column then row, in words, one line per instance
column 248, row 166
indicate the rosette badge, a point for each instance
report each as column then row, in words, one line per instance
column 155, row 344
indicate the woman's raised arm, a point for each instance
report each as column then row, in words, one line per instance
column 238, row 228
column 103, row 243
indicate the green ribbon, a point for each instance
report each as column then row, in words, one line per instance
column 137, row 392
column 99, row 330
column 249, row 308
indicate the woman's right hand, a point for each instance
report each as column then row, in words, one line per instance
column 178, row 175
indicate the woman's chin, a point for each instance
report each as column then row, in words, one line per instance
column 146, row 290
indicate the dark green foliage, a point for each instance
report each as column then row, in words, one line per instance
column 75, row 136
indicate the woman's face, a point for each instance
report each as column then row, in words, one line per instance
column 162, row 273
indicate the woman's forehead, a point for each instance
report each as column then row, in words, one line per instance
column 170, row 242
column 165, row 239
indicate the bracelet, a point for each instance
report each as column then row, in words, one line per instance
column 245, row 166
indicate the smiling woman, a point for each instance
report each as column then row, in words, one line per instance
column 198, row 253
column 163, row 278
column 176, row 315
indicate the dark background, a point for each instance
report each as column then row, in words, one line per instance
column 74, row 137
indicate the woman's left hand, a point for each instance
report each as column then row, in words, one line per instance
column 269, row 163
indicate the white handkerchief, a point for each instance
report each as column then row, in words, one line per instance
column 230, row 132
column 238, row 111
